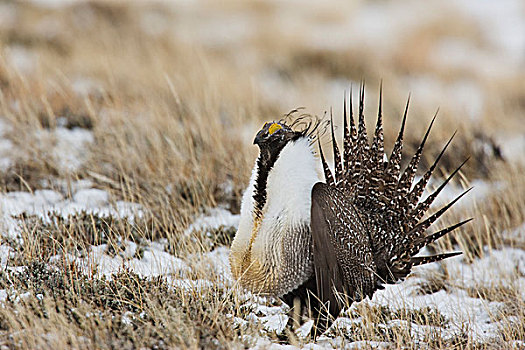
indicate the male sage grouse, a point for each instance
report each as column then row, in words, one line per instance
column 333, row 242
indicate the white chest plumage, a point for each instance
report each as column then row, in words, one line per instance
column 260, row 254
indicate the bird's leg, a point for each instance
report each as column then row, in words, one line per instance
column 296, row 313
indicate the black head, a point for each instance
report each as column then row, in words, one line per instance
column 274, row 136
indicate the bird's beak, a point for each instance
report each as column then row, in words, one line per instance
column 258, row 138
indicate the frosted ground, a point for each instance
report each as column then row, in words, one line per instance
column 105, row 125
column 463, row 314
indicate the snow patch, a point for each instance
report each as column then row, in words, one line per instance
column 86, row 86
column 154, row 262
column 91, row 197
column 473, row 315
column 70, row 149
column 21, row 59
column 43, row 202
column 3, row 295
column 512, row 147
column 5, row 254
column 6, row 146
column 216, row 218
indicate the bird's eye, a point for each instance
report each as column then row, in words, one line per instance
column 273, row 128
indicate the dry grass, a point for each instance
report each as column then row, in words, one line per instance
column 172, row 120
column 67, row 309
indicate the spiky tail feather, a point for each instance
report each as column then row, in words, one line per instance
column 386, row 199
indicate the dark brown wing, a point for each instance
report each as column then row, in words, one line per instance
column 343, row 259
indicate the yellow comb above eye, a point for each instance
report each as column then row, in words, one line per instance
column 274, row 127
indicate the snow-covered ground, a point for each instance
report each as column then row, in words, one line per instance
column 464, row 313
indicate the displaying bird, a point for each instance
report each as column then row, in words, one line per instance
column 329, row 243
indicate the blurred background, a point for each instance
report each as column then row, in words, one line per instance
column 173, row 91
